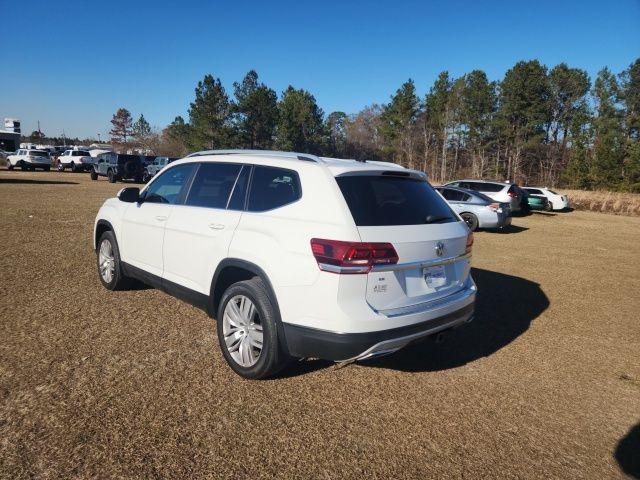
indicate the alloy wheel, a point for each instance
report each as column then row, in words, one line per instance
column 242, row 331
column 106, row 261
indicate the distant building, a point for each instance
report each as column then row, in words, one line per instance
column 12, row 125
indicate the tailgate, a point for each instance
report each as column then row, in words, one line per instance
column 432, row 263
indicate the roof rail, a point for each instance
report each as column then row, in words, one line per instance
column 267, row 153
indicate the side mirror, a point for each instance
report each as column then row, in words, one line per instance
column 129, row 195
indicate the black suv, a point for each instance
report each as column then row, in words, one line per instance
column 116, row 166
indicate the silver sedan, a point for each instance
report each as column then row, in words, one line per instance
column 476, row 209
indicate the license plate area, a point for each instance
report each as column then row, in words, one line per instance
column 435, row 277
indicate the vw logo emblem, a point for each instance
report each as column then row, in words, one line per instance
column 439, row 249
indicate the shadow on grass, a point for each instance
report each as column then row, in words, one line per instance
column 512, row 229
column 628, row 453
column 28, row 181
column 505, row 307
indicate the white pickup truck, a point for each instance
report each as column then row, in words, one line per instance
column 76, row 160
column 29, row 160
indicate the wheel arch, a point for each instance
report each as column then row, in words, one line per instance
column 101, row 227
column 232, row 270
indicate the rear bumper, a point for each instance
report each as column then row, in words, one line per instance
column 306, row 342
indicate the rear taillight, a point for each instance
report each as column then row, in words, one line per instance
column 469, row 243
column 336, row 256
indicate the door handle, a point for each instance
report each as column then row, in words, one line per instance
column 161, row 218
column 216, row 226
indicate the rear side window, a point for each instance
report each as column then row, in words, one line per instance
column 376, row 200
column 168, row 187
column 454, row 195
column 272, row 188
column 212, row 185
column 489, row 187
column 534, row 191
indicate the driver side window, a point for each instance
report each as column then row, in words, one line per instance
column 169, row 187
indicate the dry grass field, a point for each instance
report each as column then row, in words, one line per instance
column 545, row 383
column 619, row 203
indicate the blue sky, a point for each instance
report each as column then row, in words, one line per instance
column 72, row 64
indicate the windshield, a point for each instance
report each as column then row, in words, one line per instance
column 377, row 200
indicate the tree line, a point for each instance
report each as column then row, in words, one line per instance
column 535, row 126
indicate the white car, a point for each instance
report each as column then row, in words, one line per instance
column 295, row 255
column 76, row 160
column 499, row 191
column 557, row 201
column 28, row 159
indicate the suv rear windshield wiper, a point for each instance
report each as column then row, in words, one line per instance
column 435, row 219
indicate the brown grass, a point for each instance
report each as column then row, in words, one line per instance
column 96, row 384
column 605, row 201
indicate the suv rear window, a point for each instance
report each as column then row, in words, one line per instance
column 488, row 187
column 376, row 200
column 38, row 153
column 272, row 188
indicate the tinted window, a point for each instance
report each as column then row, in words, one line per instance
column 167, row 188
column 273, row 188
column 491, row 187
column 378, row 200
column 534, row 191
column 37, row 153
column 240, row 190
column 453, row 195
column 212, row 185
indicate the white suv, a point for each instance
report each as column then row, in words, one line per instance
column 76, row 160
column 295, row 255
column 28, row 159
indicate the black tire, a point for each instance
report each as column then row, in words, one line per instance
column 94, row 175
column 146, row 177
column 60, row 167
column 47, row 169
column 112, row 176
column 74, row 168
column 272, row 358
column 471, row 220
column 138, row 179
column 23, row 166
column 548, row 207
column 9, row 166
column 129, row 168
column 119, row 281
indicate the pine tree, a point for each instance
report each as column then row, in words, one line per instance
column 122, row 126
column 210, row 116
column 609, row 136
column 256, row 112
column 300, row 125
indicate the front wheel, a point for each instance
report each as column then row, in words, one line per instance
column 47, row 169
column 247, row 331
column 548, row 207
column 94, row 175
column 109, row 267
column 60, row 167
column 471, row 220
column 112, row 176
column 74, row 168
column 9, row 165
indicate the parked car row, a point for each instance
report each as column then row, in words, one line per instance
column 490, row 204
